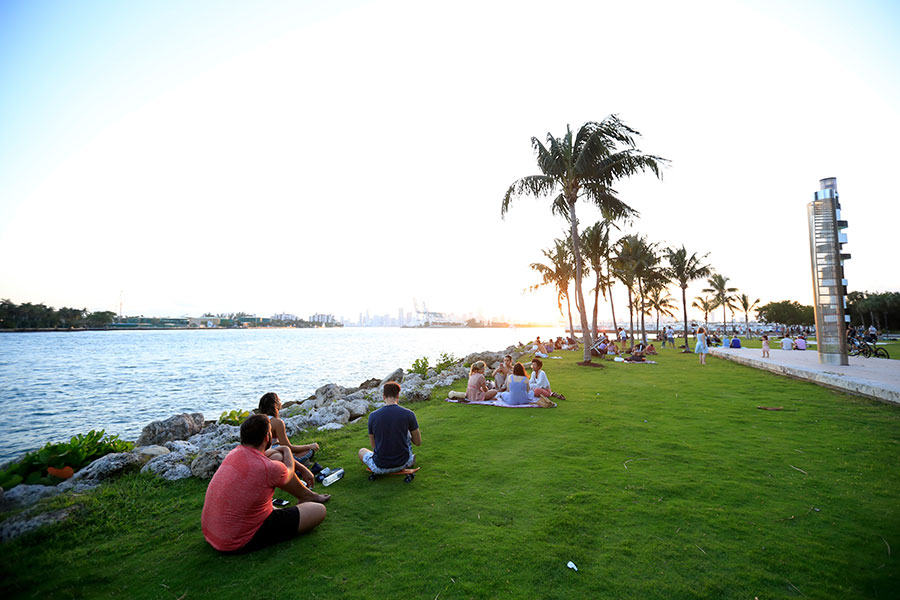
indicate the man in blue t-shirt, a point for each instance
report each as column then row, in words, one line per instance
column 392, row 430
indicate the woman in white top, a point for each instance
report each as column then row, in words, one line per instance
column 539, row 382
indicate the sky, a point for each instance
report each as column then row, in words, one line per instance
column 305, row 157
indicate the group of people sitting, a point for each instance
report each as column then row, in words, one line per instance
column 543, row 349
column 511, row 384
column 636, row 353
column 238, row 513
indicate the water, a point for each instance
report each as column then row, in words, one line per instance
column 54, row 385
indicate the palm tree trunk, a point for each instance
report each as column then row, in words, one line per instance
column 657, row 324
column 687, row 348
column 579, row 295
column 747, row 325
column 630, row 316
column 612, row 305
column 643, row 329
column 724, row 327
column 569, row 308
column 594, row 332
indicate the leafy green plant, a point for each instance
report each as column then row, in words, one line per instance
column 420, row 366
column 78, row 452
column 445, row 361
column 233, row 417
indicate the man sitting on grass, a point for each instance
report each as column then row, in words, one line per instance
column 238, row 514
column 391, row 430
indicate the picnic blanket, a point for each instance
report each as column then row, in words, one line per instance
column 498, row 402
column 628, row 362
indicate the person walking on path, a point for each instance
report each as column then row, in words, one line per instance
column 702, row 347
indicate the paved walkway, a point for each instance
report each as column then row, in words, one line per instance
column 872, row 377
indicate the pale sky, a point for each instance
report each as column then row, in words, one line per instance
column 335, row 157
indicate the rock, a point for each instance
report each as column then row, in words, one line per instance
column 416, row 394
column 397, row 376
column 206, row 463
column 25, row 523
column 291, row 411
column 182, row 447
column 356, row 408
column 26, row 495
column 329, row 427
column 77, row 486
column 170, row 467
column 412, row 380
column 215, row 436
column 327, row 394
column 488, row 357
column 177, row 427
column 295, row 425
column 329, row 414
column 107, row 466
column 430, row 373
column 146, row 453
column 370, row 384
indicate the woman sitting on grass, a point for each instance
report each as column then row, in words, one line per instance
column 519, row 390
column 478, row 391
column 539, row 382
column 270, row 404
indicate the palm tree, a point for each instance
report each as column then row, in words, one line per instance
column 624, row 267
column 660, row 303
column 746, row 306
column 585, row 166
column 558, row 274
column 595, row 248
column 707, row 305
column 722, row 294
column 685, row 269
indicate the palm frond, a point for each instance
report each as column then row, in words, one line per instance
column 532, row 185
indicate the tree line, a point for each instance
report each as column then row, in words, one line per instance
column 41, row 316
column 881, row 309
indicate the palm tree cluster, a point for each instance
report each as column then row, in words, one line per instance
column 584, row 166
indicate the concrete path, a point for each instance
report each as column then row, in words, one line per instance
column 872, row 377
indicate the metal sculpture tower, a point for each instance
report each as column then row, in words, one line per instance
column 829, row 286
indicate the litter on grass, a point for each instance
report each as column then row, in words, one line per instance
column 572, row 566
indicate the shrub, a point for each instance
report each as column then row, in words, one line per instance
column 233, row 417
column 420, row 366
column 78, row 452
column 445, row 361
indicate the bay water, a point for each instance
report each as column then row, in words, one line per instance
column 56, row 384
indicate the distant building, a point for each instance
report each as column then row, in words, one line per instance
column 320, row 318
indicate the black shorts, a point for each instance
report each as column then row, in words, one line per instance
column 278, row 527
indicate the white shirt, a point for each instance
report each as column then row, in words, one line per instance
column 540, row 381
column 787, row 343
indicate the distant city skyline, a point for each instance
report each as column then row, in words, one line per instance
column 305, row 157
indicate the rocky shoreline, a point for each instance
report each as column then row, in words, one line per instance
column 187, row 445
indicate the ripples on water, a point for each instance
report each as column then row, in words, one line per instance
column 54, row 385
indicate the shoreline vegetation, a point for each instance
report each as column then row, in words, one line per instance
column 660, row 480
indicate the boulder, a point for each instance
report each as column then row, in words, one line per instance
column 177, row 427
column 171, row 467
column 416, row 394
column 77, row 486
column 106, row 467
column 215, row 436
column 329, row 414
column 146, row 453
column 327, row 394
column 370, row 384
column 295, row 425
column 329, row 427
column 356, row 408
column 26, row 495
column 23, row 523
column 291, row 411
column 206, row 463
column 397, row 376
column 182, row 447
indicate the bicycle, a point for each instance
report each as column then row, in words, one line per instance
column 857, row 347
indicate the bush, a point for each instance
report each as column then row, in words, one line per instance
column 420, row 366
column 445, row 361
column 78, row 452
column 233, row 417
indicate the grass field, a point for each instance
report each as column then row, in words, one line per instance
column 657, row 481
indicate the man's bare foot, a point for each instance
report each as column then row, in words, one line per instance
column 322, row 498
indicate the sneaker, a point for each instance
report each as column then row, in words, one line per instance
column 557, row 396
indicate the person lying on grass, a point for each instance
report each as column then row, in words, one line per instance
column 392, row 430
column 237, row 511
column 477, row 390
column 539, row 382
column 270, row 404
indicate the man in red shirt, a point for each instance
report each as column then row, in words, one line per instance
column 238, row 514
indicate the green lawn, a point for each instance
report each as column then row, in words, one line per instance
column 657, row 481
